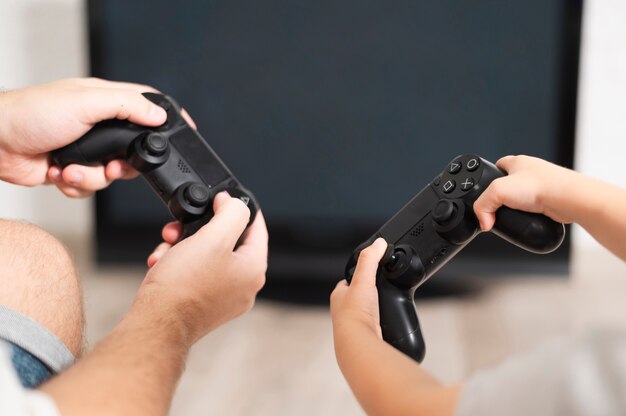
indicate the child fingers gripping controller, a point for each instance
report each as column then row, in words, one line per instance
column 386, row 382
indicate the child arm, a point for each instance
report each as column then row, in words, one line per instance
column 384, row 380
column 562, row 194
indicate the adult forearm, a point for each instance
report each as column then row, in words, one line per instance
column 133, row 371
column 387, row 382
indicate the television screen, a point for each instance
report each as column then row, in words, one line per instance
column 335, row 113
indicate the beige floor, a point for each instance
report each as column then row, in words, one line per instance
column 278, row 359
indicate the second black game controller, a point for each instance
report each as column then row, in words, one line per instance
column 430, row 230
column 178, row 164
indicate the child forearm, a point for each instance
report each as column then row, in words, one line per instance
column 598, row 207
column 385, row 381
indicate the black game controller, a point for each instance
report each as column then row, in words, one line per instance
column 431, row 229
column 173, row 158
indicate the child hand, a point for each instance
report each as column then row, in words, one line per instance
column 356, row 305
column 532, row 185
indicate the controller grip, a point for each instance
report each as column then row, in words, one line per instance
column 531, row 231
column 398, row 319
column 106, row 141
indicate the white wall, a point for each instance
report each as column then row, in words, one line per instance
column 601, row 133
column 42, row 40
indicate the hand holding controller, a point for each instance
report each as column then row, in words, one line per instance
column 431, row 229
column 174, row 159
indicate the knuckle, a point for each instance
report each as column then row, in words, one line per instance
column 498, row 186
column 74, row 193
column 244, row 305
column 261, row 265
column 127, row 100
column 146, row 87
column 259, row 282
column 249, row 304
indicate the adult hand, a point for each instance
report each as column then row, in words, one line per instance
column 39, row 119
column 204, row 278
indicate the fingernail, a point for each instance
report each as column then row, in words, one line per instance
column 55, row 174
column 157, row 112
column 76, row 177
column 380, row 240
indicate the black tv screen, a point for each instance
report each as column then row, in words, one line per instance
column 336, row 112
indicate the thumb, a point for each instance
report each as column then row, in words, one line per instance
column 123, row 104
column 488, row 203
column 367, row 264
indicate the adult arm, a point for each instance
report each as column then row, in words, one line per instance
column 197, row 285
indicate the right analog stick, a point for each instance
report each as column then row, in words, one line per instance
column 444, row 212
column 189, row 200
column 197, row 195
column 452, row 221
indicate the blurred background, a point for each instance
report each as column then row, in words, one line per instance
column 348, row 109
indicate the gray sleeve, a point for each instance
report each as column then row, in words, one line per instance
column 580, row 376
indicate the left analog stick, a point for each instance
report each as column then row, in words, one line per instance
column 148, row 152
column 155, row 144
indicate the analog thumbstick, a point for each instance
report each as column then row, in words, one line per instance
column 403, row 267
column 197, row 195
column 444, row 211
column 397, row 261
column 155, row 144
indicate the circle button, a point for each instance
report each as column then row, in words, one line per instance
column 473, row 164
